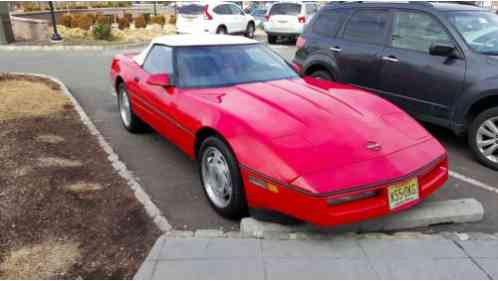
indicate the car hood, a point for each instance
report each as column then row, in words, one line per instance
column 314, row 129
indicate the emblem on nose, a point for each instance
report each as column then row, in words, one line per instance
column 371, row 145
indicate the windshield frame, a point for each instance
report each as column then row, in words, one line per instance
column 449, row 14
column 179, row 85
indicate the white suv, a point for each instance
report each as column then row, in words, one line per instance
column 219, row 18
column 287, row 19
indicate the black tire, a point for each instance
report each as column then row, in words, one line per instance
column 472, row 137
column 250, row 30
column 322, row 75
column 221, row 30
column 134, row 125
column 237, row 206
column 272, row 39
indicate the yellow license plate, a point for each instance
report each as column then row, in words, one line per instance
column 403, row 193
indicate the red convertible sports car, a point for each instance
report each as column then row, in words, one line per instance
column 265, row 138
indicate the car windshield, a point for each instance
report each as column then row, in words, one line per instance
column 479, row 29
column 286, row 9
column 219, row 66
column 190, row 9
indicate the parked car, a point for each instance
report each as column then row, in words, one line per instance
column 266, row 139
column 259, row 16
column 219, row 18
column 287, row 19
column 437, row 61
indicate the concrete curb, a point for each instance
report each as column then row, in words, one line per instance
column 70, row 48
column 151, row 209
column 428, row 213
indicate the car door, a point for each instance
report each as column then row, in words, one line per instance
column 421, row 83
column 239, row 18
column 358, row 48
column 159, row 102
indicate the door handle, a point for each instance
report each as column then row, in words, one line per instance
column 390, row 58
column 336, row 49
column 136, row 79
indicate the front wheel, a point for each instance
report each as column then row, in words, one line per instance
column 483, row 137
column 322, row 75
column 221, row 179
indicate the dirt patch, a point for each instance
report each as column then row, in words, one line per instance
column 50, row 139
column 46, row 162
column 107, row 226
column 41, row 261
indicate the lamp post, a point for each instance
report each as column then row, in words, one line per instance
column 56, row 38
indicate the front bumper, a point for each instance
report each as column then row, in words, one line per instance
column 316, row 208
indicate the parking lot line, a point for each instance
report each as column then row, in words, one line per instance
column 473, row 181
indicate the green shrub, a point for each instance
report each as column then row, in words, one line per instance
column 75, row 20
column 158, row 20
column 123, row 23
column 140, row 22
column 102, row 32
column 66, row 20
column 84, row 22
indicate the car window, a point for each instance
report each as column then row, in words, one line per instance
column 478, row 29
column 367, row 26
column 220, row 66
column 286, row 9
column 159, row 60
column 329, row 22
column 222, row 10
column 235, row 10
column 192, row 9
column 417, row 31
column 310, row 9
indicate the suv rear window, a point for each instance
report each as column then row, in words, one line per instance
column 190, row 9
column 367, row 26
column 286, row 9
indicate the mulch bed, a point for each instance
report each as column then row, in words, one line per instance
column 110, row 226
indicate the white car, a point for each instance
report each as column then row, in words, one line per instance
column 219, row 18
column 287, row 19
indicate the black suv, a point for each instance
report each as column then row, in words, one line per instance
column 437, row 61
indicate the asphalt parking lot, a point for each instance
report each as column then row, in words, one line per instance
column 171, row 178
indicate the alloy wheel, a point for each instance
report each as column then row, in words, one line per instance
column 124, row 108
column 216, row 177
column 487, row 139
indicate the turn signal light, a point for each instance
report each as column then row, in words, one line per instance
column 301, row 19
column 263, row 184
column 207, row 15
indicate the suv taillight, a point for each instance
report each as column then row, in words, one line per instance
column 301, row 19
column 300, row 42
column 267, row 18
column 207, row 15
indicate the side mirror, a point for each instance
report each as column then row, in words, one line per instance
column 161, row 80
column 441, row 49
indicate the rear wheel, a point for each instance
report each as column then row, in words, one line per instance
column 129, row 120
column 221, row 179
column 483, row 137
column 322, row 75
column 272, row 39
column 250, row 30
column 221, row 30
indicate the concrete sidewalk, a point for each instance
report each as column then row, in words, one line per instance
column 348, row 257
